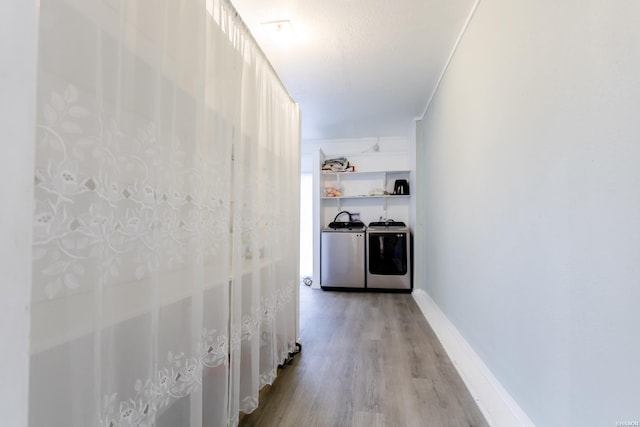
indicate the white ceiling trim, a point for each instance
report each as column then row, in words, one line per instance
column 451, row 55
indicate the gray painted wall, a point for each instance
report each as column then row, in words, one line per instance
column 530, row 154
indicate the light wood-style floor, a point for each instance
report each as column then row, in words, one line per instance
column 368, row 359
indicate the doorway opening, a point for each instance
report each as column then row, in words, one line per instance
column 306, row 228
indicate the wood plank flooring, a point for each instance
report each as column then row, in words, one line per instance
column 368, row 359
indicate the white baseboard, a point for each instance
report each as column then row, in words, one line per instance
column 496, row 404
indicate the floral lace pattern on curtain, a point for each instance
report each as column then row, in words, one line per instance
column 164, row 266
column 178, row 379
column 147, row 218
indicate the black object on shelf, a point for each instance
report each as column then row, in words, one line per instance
column 401, row 187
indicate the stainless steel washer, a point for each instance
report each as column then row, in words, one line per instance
column 389, row 256
column 342, row 259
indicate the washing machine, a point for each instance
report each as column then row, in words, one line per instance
column 388, row 259
column 342, row 256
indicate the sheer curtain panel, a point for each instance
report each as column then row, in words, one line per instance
column 165, row 246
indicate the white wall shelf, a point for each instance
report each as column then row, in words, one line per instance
column 365, row 196
column 364, row 172
column 367, row 191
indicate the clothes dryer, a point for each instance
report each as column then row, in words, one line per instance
column 388, row 257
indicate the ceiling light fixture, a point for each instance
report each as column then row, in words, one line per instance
column 279, row 31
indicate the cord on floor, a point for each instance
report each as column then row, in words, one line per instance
column 289, row 358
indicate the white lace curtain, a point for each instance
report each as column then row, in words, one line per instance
column 165, row 271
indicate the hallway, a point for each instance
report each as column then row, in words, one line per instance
column 368, row 359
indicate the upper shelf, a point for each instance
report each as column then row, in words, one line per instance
column 365, row 196
column 365, row 172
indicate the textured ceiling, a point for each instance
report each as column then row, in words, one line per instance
column 359, row 68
